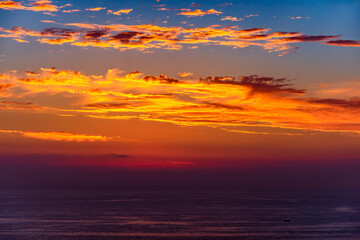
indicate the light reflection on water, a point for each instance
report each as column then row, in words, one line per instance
column 91, row 215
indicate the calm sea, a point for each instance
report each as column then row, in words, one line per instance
column 95, row 215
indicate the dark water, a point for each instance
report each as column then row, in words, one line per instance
column 93, row 215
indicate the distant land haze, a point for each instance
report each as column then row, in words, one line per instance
column 125, row 172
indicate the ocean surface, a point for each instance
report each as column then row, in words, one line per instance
column 95, row 215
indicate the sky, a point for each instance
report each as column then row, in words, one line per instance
column 188, row 86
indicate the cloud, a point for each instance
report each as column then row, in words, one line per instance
column 198, row 12
column 5, row 86
column 257, row 83
column 251, row 15
column 47, row 21
column 185, row 74
column 109, row 105
column 125, row 37
column 246, row 104
column 339, row 90
column 95, row 34
column 95, row 9
column 19, row 105
column 57, row 136
column 37, row 6
column 11, row 5
column 145, row 37
column 121, row 11
column 229, row 18
column 343, row 43
column 161, row 78
column 224, row 4
column 345, row 103
column 309, row 38
column 71, row 11
column 293, row 18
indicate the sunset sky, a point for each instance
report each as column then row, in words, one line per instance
column 179, row 84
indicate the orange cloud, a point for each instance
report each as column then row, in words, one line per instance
column 11, row 5
column 185, row 74
column 198, row 12
column 95, row 9
column 57, row 136
column 245, row 104
column 5, row 86
column 47, row 21
column 119, row 12
column 37, row 6
column 43, row 5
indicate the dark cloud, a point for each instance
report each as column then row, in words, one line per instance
column 32, row 79
column 108, row 105
column 253, row 30
column 31, row 73
column 126, row 104
column 344, row 43
column 226, row 106
column 256, row 83
column 95, row 33
column 59, row 32
column 346, row 103
column 162, row 79
column 309, row 38
column 17, row 105
column 267, row 36
column 125, row 37
column 284, row 33
column 255, row 37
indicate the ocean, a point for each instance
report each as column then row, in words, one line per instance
column 177, row 215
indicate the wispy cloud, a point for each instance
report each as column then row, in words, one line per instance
column 198, row 12
column 185, row 74
column 298, row 17
column 19, row 105
column 96, row 9
column 251, row 15
column 119, row 12
column 71, row 11
column 56, row 136
column 233, row 19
